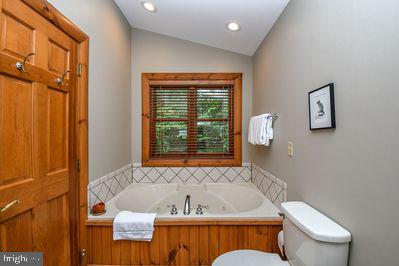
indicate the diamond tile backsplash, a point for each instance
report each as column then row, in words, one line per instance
column 109, row 186
column 273, row 188
column 191, row 174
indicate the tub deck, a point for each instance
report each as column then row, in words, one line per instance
column 182, row 242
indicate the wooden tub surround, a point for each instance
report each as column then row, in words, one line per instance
column 189, row 242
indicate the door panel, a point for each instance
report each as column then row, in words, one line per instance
column 58, row 58
column 58, row 231
column 15, row 229
column 58, row 130
column 37, row 125
column 18, row 37
column 16, row 134
column 41, row 105
column 47, row 40
column 52, row 232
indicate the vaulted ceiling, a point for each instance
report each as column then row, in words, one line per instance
column 204, row 21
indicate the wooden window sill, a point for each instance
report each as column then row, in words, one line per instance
column 191, row 163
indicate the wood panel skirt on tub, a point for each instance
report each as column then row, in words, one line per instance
column 181, row 242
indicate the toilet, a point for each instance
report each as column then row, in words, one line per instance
column 309, row 239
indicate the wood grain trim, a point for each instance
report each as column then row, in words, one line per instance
column 205, row 221
column 1, row 9
column 82, row 142
column 238, row 119
column 148, row 79
column 180, row 245
column 191, row 76
column 72, row 207
column 190, row 82
column 145, row 119
column 46, row 10
column 191, row 162
column 33, row 73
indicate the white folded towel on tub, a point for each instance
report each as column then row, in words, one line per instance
column 134, row 226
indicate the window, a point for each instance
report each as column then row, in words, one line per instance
column 191, row 119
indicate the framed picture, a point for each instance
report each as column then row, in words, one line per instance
column 322, row 108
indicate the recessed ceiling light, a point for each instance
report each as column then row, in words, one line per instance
column 149, row 6
column 233, row 26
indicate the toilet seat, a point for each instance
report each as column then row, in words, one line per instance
column 249, row 258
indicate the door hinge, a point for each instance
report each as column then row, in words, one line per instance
column 79, row 70
column 78, row 165
column 82, row 254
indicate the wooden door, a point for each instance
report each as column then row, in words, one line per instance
column 37, row 134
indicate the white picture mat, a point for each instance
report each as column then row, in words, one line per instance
column 320, row 108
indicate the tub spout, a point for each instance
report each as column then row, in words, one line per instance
column 187, row 207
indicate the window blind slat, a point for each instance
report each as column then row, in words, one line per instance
column 192, row 121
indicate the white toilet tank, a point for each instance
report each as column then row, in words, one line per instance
column 312, row 239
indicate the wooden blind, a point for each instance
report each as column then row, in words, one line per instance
column 192, row 121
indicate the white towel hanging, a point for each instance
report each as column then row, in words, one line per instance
column 261, row 130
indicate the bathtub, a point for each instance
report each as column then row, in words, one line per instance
column 222, row 200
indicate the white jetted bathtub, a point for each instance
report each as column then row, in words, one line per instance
column 221, row 201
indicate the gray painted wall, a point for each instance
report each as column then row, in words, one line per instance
column 352, row 173
column 158, row 53
column 110, row 135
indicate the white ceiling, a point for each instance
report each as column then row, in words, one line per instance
column 204, row 21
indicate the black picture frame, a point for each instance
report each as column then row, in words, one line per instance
column 328, row 121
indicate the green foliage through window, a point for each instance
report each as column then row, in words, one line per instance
column 192, row 121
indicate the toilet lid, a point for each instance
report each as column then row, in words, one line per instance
column 249, row 258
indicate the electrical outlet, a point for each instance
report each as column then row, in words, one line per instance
column 290, row 149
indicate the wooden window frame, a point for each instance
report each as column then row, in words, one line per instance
column 154, row 79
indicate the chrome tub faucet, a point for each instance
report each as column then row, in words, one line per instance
column 187, row 207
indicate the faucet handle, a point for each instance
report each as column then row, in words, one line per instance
column 173, row 210
column 200, row 208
